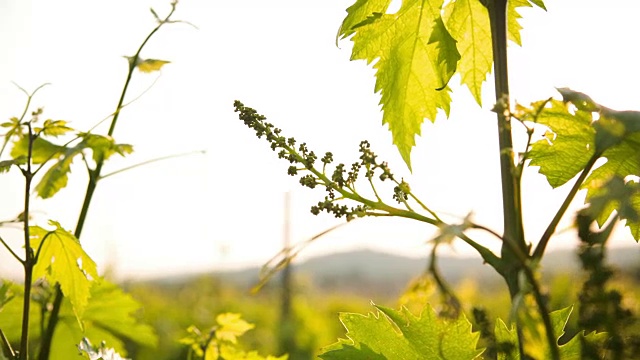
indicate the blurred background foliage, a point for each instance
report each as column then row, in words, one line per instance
column 172, row 305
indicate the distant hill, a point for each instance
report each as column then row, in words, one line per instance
column 369, row 272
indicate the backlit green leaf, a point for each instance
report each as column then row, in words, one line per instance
column 447, row 55
column 567, row 147
column 468, row 22
column 104, row 146
column 575, row 135
column 111, row 315
column 5, row 165
column 231, row 326
column 392, row 334
column 409, row 68
column 61, row 259
column 151, row 65
column 513, row 26
column 55, row 128
column 622, row 161
column 360, row 11
column 57, row 176
column 559, row 319
column 42, row 150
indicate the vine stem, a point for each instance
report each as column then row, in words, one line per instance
column 94, row 176
column 511, row 193
column 29, row 260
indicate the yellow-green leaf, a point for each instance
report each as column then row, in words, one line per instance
column 360, row 11
column 55, row 127
column 111, row 315
column 231, row 326
column 567, row 146
column 409, row 68
column 151, row 65
column 61, row 259
column 41, row 150
column 392, row 334
column 468, row 22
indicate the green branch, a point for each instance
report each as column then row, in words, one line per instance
column 94, row 176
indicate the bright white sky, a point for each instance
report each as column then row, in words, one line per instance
column 225, row 209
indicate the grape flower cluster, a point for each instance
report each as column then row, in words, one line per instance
column 339, row 183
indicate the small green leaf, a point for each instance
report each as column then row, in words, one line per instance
column 61, row 259
column 151, row 65
column 155, row 15
column 6, row 294
column 42, row 150
column 5, row 165
column 447, row 233
column 622, row 161
column 104, row 146
column 231, row 326
column 55, row 127
column 392, row 334
column 57, row 176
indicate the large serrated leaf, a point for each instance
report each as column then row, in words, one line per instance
column 392, row 334
column 417, row 53
column 409, row 68
column 61, row 259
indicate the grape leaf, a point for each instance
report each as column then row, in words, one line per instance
column 5, row 165
column 61, row 259
column 53, row 128
column 391, row 334
column 359, row 12
column 103, row 147
column 416, row 54
column 468, row 22
column 151, row 65
column 622, row 161
column 569, row 351
column 41, row 150
column 57, row 175
column 409, row 70
column 568, row 144
column 575, row 136
column 447, row 56
column 231, row 326
column 111, row 315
